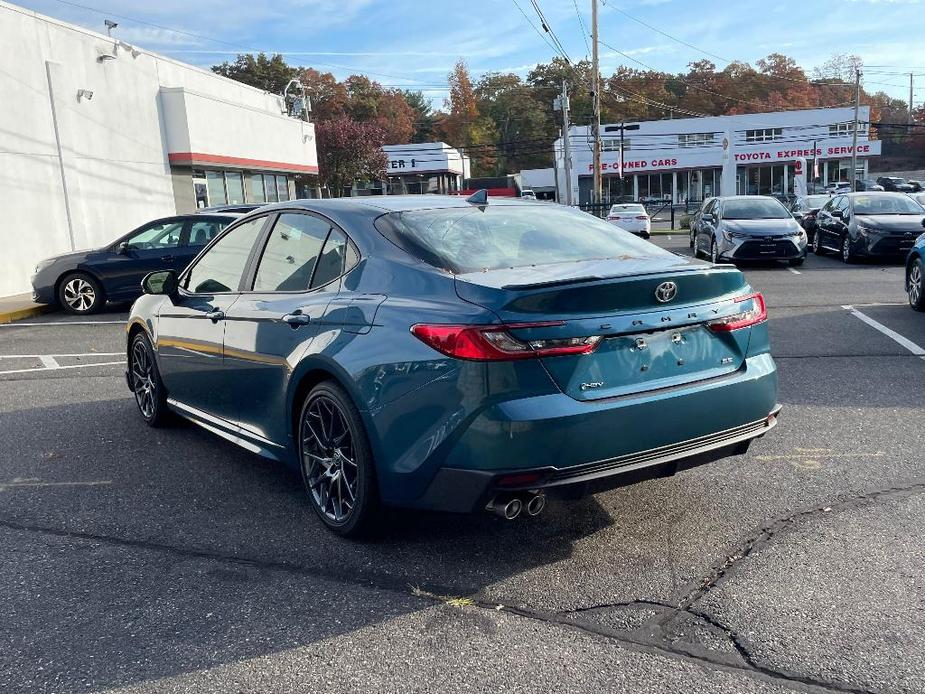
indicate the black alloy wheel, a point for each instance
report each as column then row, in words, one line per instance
column 336, row 462
column 817, row 243
column 915, row 285
column 146, row 383
column 847, row 255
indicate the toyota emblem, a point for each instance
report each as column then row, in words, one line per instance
column 666, row 291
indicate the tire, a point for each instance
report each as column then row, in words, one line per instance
column 915, row 285
column 796, row 262
column 691, row 239
column 714, row 253
column 150, row 394
column 332, row 437
column 847, row 255
column 817, row 244
column 80, row 294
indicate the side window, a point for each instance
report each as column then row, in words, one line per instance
column 331, row 262
column 201, row 233
column 829, row 206
column 291, row 253
column 157, row 236
column 220, row 269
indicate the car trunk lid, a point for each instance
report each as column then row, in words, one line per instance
column 646, row 342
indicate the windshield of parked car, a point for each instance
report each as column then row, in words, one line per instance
column 919, row 198
column 467, row 239
column 886, row 204
column 754, row 208
column 634, row 209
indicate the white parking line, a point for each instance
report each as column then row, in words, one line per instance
column 795, row 272
column 48, row 361
column 59, row 368
column 43, row 356
column 892, row 334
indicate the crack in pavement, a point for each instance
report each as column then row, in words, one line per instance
column 654, row 636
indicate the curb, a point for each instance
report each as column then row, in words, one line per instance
column 21, row 313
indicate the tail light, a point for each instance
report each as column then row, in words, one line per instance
column 758, row 313
column 642, row 216
column 614, row 219
column 495, row 342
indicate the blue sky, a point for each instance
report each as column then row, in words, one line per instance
column 415, row 43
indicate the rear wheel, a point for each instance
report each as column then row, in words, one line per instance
column 714, row 252
column 915, row 286
column 150, row 395
column 847, row 254
column 79, row 293
column 336, row 461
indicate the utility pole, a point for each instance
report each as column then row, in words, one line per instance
column 854, row 139
column 596, row 122
column 910, row 99
column 560, row 103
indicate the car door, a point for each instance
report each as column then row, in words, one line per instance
column 199, row 232
column 149, row 248
column 191, row 325
column 269, row 328
column 825, row 222
column 707, row 226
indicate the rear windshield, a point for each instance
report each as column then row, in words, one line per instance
column 468, row 239
column 635, row 209
column 886, row 204
column 817, row 201
column 757, row 208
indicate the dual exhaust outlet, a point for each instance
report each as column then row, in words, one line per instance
column 511, row 506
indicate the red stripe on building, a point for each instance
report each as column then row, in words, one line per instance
column 202, row 158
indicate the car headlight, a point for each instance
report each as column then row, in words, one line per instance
column 730, row 235
column 42, row 264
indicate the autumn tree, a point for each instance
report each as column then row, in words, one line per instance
column 327, row 94
column 349, row 151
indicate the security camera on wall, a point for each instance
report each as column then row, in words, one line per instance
column 84, row 94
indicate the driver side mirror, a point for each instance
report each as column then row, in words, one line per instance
column 707, row 217
column 838, row 214
column 160, row 282
column 122, row 248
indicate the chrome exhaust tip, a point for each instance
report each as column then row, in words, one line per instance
column 509, row 510
column 536, row 505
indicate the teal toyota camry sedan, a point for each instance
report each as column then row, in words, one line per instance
column 453, row 354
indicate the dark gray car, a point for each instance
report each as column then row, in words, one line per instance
column 748, row 227
column 868, row 224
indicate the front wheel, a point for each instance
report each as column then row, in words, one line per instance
column 796, row 262
column 714, row 252
column 817, row 244
column 80, row 294
column 915, row 285
column 336, row 461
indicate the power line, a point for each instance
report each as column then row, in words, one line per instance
column 548, row 29
column 667, row 35
column 584, row 30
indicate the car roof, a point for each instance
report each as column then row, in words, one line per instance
column 392, row 203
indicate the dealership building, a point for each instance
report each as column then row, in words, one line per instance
column 98, row 136
column 689, row 159
column 425, row 167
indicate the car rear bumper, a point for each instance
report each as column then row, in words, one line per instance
column 465, row 491
column 562, row 442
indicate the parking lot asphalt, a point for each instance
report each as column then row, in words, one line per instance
column 170, row 560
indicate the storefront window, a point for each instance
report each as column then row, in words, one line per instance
column 282, row 188
column 215, row 184
column 234, row 184
column 270, row 187
column 255, row 191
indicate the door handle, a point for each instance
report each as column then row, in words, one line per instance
column 297, row 318
column 215, row 315
column 167, row 258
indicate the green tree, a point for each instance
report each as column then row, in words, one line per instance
column 349, row 151
column 268, row 73
column 424, row 120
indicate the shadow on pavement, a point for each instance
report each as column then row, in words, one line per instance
column 157, row 552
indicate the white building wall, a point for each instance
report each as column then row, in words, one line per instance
column 76, row 173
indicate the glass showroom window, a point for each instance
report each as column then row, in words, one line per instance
column 270, row 187
column 282, row 188
column 255, row 190
column 215, row 184
column 234, row 185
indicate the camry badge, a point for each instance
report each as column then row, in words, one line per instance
column 666, row 291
